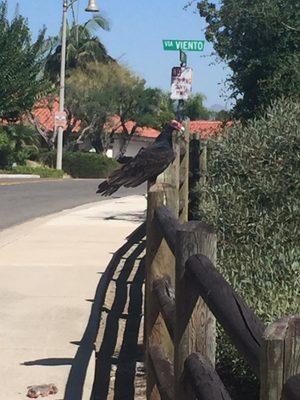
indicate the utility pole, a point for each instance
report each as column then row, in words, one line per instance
column 62, row 85
column 92, row 7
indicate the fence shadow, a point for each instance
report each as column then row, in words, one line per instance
column 128, row 253
column 111, row 353
column 76, row 379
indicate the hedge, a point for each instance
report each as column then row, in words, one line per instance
column 81, row 164
column 88, row 165
column 6, row 154
column 253, row 198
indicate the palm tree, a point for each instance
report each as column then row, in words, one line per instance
column 83, row 46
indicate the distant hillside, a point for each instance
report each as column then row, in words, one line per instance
column 217, row 108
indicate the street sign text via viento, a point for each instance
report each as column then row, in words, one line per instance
column 185, row 45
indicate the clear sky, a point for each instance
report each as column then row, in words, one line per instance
column 137, row 30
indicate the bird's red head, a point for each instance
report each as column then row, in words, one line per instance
column 177, row 126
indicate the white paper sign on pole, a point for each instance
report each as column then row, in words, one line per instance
column 181, row 86
column 60, row 119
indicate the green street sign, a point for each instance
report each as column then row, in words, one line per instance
column 184, row 45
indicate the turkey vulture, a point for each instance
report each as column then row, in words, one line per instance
column 146, row 165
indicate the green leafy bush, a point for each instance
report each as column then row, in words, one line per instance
column 6, row 156
column 43, row 172
column 47, row 157
column 88, row 165
column 253, row 198
column 18, row 143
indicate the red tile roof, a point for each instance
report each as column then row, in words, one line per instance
column 45, row 111
column 114, row 126
column 204, row 128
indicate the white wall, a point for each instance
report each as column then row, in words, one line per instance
column 133, row 148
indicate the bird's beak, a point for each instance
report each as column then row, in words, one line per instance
column 180, row 133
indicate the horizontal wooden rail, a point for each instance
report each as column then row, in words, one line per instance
column 238, row 320
column 163, row 292
column 204, row 380
column 291, row 390
column 168, row 225
column 164, row 372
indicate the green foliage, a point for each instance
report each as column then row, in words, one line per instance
column 23, row 142
column 259, row 40
column 21, row 65
column 47, row 157
column 105, row 90
column 166, row 111
column 253, row 198
column 83, row 47
column 17, row 144
column 222, row 115
column 6, row 154
column 41, row 171
column 194, row 109
column 88, row 165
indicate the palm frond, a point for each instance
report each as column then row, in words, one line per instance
column 97, row 22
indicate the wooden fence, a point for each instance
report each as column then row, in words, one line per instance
column 185, row 294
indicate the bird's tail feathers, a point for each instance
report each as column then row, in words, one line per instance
column 106, row 188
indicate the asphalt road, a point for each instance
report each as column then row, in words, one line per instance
column 22, row 200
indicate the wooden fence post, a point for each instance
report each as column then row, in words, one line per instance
column 280, row 357
column 170, row 177
column 153, row 254
column 195, row 325
column 159, row 263
column 184, row 174
column 203, row 161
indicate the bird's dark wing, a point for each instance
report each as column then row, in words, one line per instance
column 124, row 159
column 147, row 164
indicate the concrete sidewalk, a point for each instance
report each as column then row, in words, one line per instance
column 49, row 270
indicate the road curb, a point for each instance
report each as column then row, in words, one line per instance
column 18, row 176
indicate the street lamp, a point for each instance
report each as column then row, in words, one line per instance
column 92, row 7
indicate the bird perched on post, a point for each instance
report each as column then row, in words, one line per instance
column 146, row 165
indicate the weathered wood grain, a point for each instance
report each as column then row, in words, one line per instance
column 195, row 325
column 159, row 263
column 164, row 294
column 164, row 372
column 184, row 174
column 170, row 179
column 168, row 225
column 153, row 260
column 204, row 380
column 280, row 358
column 203, row 161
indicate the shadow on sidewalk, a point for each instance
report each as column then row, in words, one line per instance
column 121, row 348
column 127, row 254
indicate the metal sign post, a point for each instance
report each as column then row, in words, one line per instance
column 183, row 58
column 180, row 105
column 181, row 84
